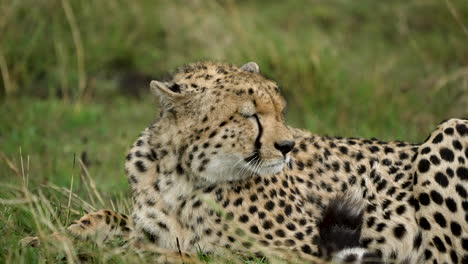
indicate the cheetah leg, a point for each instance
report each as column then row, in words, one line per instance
column 100, row 226
column 107, row 225
column 440, row 190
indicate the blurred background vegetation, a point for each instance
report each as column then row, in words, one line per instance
column 74, row 76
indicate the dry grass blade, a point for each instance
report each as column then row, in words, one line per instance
column 71, row 189
column 10, row 164
column 443, row 81
column 46, row 213
column 27, row 172
column 66, row 192
column 15, row 201
column 10, row 87
column 80, row 60
column 23, row 174
column 84, row 181
column 90, row 181
column 113, row 205
column 11, row 187
column 6, row 11
column 457, row 17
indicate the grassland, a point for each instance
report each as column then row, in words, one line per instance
column 73, row 86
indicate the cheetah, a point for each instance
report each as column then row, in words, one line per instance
column 220, row 169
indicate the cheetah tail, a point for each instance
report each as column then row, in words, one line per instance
column 340, row 228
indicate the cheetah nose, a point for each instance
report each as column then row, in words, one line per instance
column 285, row 146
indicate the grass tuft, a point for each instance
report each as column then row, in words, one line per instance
column 74, row 86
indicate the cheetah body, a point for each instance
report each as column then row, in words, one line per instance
column 215, row 171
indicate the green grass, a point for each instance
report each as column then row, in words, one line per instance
column 51, row 132
column 69, row 71
column 43, row 141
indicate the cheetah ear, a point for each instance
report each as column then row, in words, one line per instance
column 251, row 67
column 166, row 90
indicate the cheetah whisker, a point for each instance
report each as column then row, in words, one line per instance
column 257, row 166
column 245, row 169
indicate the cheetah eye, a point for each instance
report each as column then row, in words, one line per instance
column 246, row 114
column 247, row 110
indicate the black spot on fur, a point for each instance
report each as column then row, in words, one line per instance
column 438, row 138
column 455, row 228
column 435, row 160
column 457, row 145
column 461, row 191
column 454, row 257
column 163, row 226
column 436, row 197
column 267, row 224
column 462, row 173
column 417, row 241
column 306, row 249
column 179, row 169
column 424, row 165
column 441, row 179
column 401, row 209
column 462, row 129
column 140, row 166
column 399, row 231
column 440, row 219
column 424, row 223
column 238, row 201
column 439, row 244
column 197, row 204
column 244, row 218
column 150, row 236
column 446, row 154
column 451, row 204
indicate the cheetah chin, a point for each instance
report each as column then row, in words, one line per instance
column 267, row 167
column 232, row 168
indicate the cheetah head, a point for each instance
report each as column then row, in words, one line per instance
column 227, row 122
